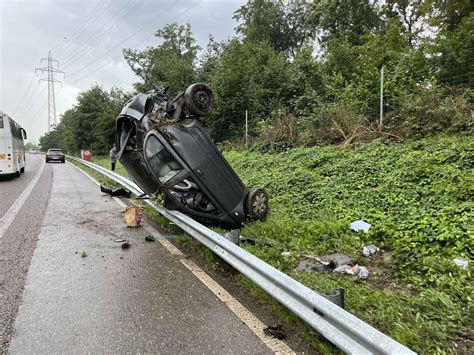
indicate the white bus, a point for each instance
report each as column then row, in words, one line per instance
column 12, row 147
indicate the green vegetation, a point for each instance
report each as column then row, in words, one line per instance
column 308, row 73
column 418, row 198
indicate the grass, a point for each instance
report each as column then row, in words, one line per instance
column 418, row 198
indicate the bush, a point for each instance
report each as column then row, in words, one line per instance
column 433, row 110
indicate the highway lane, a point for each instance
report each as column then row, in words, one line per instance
column 11, row 187
column 21, row 215
column 85, row 294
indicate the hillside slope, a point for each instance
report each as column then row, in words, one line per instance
column 418, row 196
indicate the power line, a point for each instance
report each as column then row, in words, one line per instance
column 80, row 33
column 24, row 95
column 72, row 58
column 30, row 106
column 76, row 28
column 120, row 43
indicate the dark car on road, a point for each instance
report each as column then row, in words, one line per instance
column 55, row 155
column 164, row 148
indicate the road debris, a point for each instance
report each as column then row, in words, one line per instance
column 310, row 266
column 463, row 264
column 360, row 271
column 275, row 331
column 133, row 216
column 323, row 263
column 126, row 245
column 150, row 238
column 115, row 191
column 83, row 254
column 360, row 225
column 119, row 240
column 252, row 241
column 370, row 250
column 363, row 273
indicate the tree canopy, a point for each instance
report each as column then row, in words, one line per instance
column 314, row 63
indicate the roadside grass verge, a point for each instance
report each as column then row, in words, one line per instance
column 418, row 198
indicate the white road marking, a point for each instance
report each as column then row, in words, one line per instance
column 248, row 318
column 10, row 215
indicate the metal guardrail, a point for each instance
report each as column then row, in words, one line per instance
column 338, row 326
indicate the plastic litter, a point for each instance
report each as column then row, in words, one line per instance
column 150, row 238
column 360, row 225
column 344, row 269
column 363, row 273
column 286, row 253
column 463, row 264
column 360, row 271
column 369, row 250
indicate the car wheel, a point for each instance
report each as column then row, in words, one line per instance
column 257, row 203
column 199, row 99
column 17, row 174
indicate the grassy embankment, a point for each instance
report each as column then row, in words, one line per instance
column 418, row 198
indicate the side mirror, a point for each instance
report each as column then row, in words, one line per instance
column 23, row 133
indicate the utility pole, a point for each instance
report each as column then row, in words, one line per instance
column 381, row 97
column 51, row 99
column 246, row 127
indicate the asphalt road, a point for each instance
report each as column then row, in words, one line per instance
column 19, row 230
column 85, row 294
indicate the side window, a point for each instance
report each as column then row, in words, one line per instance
column 1, row 121
column 161, row 162
column 12, row 128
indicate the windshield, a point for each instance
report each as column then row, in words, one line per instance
column 161, row 162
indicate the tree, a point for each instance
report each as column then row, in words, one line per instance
column 90, row 123
column 349, row 19
column 453, row 53
column 170, row 64
column 287, row 26
column 247, row 77
column 448, row 14
column 411, row 14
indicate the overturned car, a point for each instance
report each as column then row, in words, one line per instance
column 165, row 149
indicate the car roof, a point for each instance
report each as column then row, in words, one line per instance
column 54, row 149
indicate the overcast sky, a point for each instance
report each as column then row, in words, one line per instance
column 87, row 38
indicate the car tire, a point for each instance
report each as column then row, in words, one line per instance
column 17, row 174
column 256, row 204
column 199, row 99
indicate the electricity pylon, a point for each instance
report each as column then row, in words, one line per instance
column 51, row 100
